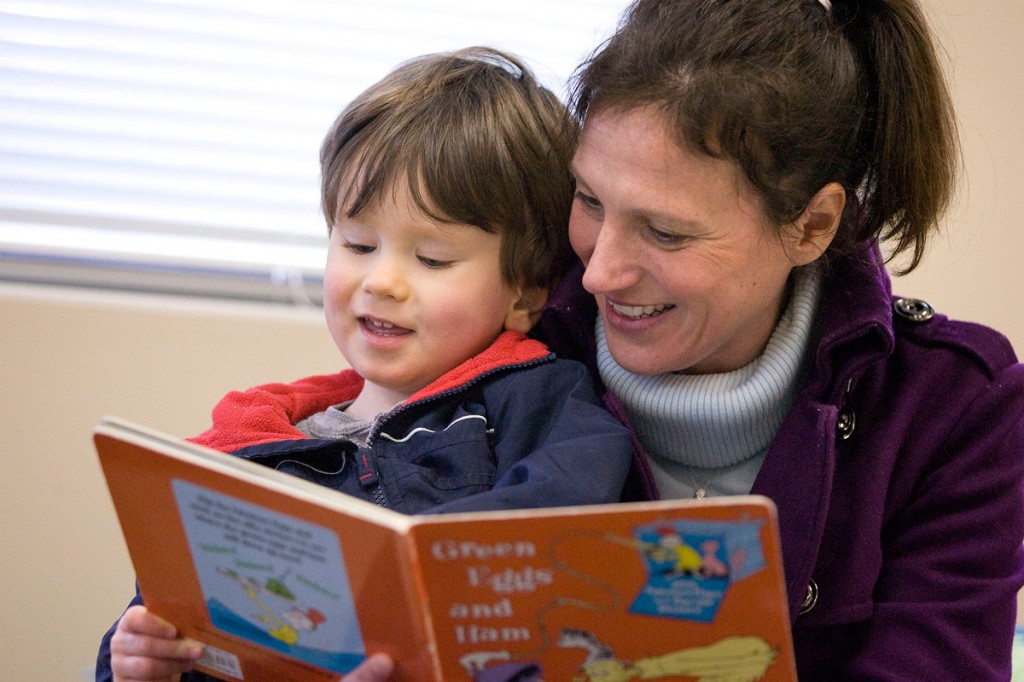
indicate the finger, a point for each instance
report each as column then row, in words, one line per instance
column 141, row 621
column 147, row 658
column 377, row 668
column 137, row 668
column 130, row 644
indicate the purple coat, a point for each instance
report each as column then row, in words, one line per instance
column 898, row 479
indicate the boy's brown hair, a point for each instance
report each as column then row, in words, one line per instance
column 477, row 140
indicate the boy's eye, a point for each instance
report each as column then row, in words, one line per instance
column 358, row 248
column 434, row 263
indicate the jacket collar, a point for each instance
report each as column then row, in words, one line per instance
column 510, row 348
column 855, row 321
column 567, row 321
column 268, row 413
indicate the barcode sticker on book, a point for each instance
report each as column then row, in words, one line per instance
column 221, row 661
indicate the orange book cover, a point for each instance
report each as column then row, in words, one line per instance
column 282, row 579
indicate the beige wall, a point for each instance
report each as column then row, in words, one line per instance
column 65, row 361
column 68, row 358
column 975, row 270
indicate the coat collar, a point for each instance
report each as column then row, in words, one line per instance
column 510, row 348
column 268, row 413
column 856, row 330
column 855, row 321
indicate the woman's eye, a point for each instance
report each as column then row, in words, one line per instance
column 358, row 248
column 665, row 238
column 589, row 203
column 434, row 263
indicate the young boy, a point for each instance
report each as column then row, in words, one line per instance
column 446, row 188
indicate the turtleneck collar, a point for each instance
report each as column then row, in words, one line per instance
column 712, row 421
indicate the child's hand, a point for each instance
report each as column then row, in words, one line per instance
column 376, row 668
column 146, row 647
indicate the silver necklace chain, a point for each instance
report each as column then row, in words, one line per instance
column 699, row 491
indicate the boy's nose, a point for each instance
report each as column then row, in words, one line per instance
column 385, row 278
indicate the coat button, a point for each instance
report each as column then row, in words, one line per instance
column 913, row 309
column 846, row 423
column 810, row 599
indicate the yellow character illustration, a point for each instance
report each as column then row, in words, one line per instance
column 732, row 659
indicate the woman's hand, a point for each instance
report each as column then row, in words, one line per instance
column 147, row 647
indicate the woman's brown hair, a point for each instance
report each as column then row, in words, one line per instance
column 798, row 93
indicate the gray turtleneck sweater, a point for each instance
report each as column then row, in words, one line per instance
column 709, row 433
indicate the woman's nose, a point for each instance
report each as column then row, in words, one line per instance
column 611, row 265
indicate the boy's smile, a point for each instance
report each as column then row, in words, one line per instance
column 381, row 329
column 407, row 298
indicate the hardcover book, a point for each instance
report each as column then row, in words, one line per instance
column 283, row 579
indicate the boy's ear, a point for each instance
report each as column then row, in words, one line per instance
column 810, row 234
column 525, row 308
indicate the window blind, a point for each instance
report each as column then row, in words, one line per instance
column 172, row 145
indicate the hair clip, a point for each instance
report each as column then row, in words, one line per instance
column 827, row 4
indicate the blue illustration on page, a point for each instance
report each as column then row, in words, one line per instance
column 271, row 579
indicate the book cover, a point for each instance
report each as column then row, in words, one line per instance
column 283, row 579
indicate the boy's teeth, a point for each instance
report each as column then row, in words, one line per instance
column 638, row 311
column 384, row 325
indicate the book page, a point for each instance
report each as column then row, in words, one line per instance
column 277, row 577
column 271, row 579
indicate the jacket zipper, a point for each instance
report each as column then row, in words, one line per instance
column 369, row 477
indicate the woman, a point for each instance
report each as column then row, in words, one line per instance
column 740, row 164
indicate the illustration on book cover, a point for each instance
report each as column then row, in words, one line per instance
column 688, row 568
column 691, row 565
column 572, row 600
column 271, row 579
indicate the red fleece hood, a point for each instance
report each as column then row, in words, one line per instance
column 266, row 413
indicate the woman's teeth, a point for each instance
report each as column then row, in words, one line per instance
column 639, row 311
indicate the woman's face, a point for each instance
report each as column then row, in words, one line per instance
column 688, row 273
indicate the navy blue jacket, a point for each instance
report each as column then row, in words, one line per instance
column 513, row 427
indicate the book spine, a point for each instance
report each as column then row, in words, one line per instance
column 418, row 595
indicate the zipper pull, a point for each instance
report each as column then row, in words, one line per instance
column 369, row 478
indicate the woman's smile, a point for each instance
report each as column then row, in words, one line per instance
column 637, row 312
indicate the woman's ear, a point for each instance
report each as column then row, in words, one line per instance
column 811, row 233
column 525, row 308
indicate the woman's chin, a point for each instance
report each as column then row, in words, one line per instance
column 644, row 360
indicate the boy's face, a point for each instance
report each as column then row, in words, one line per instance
column 407, row 299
